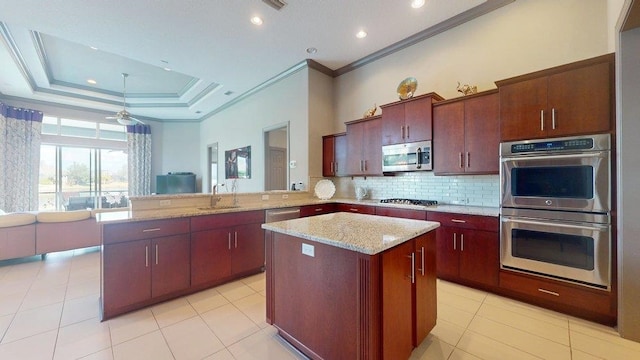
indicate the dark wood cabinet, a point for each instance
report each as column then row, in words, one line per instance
column 468, row 248
column 401, row 213
column 319, row 209
column 356, row 208
column 466, row 135
column 408, row 120
column 572, row 99
column 334, row 155
column 364, row 147
column 145, row 266
column 225, row 246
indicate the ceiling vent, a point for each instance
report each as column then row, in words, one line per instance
column 276, row 4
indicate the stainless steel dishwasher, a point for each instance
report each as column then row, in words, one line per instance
column 273, row 215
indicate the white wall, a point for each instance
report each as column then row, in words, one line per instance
column 518, row 38
column 321, row 115
column 243, row 123
column 181, row 151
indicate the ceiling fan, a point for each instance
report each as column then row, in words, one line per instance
column 123, row 117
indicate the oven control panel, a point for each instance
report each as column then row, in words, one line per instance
column 555, row 145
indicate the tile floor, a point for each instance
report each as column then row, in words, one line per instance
column 49, row 310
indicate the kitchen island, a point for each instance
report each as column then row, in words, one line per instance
column 352, row 286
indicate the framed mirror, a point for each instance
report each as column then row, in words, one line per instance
column 238, row 163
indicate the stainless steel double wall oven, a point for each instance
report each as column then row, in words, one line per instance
column 556, row 208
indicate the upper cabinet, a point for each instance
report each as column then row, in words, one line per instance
column 572, row 99
column 334, row 155
column 364, row 148
column 408, row 120
column 466, row 135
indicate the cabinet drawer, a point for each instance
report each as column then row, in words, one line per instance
column 311, row 210
column 402, row 213
column 354, row 208
column 465, row 221
column 215, row 221
column 122, row 232
column 549, row 290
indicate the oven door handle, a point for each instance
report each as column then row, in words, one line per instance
column 598, row 154
column 555, row 224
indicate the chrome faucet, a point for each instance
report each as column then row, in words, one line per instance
column 214, row 199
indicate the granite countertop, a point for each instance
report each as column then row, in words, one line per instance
column 367, row 234
column 124, row 216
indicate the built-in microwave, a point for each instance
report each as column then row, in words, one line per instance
column 407, row 157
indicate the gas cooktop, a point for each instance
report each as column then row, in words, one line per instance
column 410, row 202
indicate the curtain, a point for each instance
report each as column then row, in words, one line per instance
column 20, row 140
column 139, row 154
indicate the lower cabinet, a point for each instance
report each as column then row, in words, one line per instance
column 311, row 210
column 135, row 272
column 402, row 213
column 468, row 248
column 220, row 251
column 408, row 301
column 357, row 208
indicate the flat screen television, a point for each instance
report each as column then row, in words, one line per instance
column 176, row 183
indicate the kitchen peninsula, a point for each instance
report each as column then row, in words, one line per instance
column 352, row 286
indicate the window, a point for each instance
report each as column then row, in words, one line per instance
column 83, row 165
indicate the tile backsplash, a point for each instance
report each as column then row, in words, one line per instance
column 478, row 190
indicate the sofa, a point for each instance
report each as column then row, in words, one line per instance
column 39, row 233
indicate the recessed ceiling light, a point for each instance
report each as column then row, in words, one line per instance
column 91, row 81
column 416, row 4
column 256, row 20
column 361, row 34
column 228, row 92
column 312, row 50
column 93, row 48
column 167, row 69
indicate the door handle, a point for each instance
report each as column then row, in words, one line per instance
column 460, row 158
column 156, row 254
column 468, row 159
column 461, row 242
column 413, row 267
column 541, row 120
column 235, row 239
column 421, row 251
column 402, row 132
column 454, row 241
column 408, row 136
column 229, row 238
column 146, row 256
column 553, row 118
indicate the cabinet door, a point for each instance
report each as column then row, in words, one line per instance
column 448, row 138
column 355, row 135
column 372, row 147
column 328, row 154
column 171, row 270
column 247, row 248
column 397, row 302
column 482, row 134
column 448, row 243
column 340, row 155
column 418, row 120
column 210, row 256
column 426, row 300
column 580, row 100
column 126, row 274
column 355, row 208
column 393, row 130
column 520, row 107
column 479, row 260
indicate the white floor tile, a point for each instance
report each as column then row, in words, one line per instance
column 206, row 300
column 5, row 321
column 432, row 348
column 221, row 355
column 80, row 309
column 106, row 354
column 33, row 322
column 530, row 325
column 263, row 345
column 174, row 311
column 235, row 290
column 454, row 315
column 473, row 294
column 459, row 302
column 458, row 354
column 256, row 282
column 254, row 306
column 82, row 339
column 37, row 347
column 447, row 332
column 43, row 296
column 229, row 324
column 81, row 288
column 488, row 349
column 191, row 339
column 603, row 349
column 520, row 339
column 132, row 325
column 149, row 346
column 528, row 310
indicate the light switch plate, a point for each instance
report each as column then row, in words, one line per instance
column 308, row 250
column 165, row 202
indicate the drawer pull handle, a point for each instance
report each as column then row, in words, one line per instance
column 353, row 209
column 458, row 221
column 318, row 209
column 150, row 230
column 549, row 292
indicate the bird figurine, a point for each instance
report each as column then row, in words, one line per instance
column 371, row 112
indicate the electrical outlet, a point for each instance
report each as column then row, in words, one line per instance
column 265, row 197
column 165, row 202
column 285, row 196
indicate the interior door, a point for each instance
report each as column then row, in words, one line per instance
column 276, row 169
